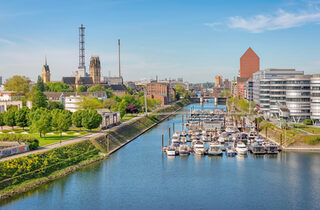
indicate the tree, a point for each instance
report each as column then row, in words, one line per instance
column 2, row 123
column 109, row 93
column 91, row 119
column 40, row 84
column 111, row 104
column 90, row 102
column 225, row 93
column 20, row 84
column 40, row 121
column 55, row 115
column 132, row 108
column 64, row 121
column 21, row 117
column 9, row 117
column 81, row 88
column 57, row 87
column 96, row 88
column 38, row 98
column 122, row 107
column 55, row 105
column 77, row 118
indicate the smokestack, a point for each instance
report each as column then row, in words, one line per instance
column 119, row 56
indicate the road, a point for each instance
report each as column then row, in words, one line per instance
column 66, row 142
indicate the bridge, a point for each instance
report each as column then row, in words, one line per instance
column 219, row 100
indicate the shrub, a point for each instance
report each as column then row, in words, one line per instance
column 32, row 142
column 5, row 131
column 307, row 122
column 312, row 140
column 41, row 165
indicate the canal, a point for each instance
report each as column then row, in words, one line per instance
column 139, row 176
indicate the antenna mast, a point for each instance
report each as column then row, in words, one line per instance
column 119, row 56
column 81, row 47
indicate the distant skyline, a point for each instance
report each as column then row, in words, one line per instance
column 195, row 40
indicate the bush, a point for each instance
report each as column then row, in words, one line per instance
column 41, row 165
column 312, row 140
column 32, row 142
column 307, row 122
column 5, row 131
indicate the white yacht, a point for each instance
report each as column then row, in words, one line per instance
column 215, row 149
column 199, row 148
column 171, row 151
column 241, row 148
column 183, row 150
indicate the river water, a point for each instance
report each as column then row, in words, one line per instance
column 139, row 176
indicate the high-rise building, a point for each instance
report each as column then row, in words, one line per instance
column 249, row 64
column 95, row 70
column 218, row 81
column 45, row 72
column 0, row 80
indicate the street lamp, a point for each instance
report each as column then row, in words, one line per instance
column 145, row 102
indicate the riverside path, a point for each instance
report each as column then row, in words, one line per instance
column 66, row 142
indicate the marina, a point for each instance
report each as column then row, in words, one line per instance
column 141, row 176
column 215, row 132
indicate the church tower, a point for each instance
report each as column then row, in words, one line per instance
column 45, row 72
column 95, row 70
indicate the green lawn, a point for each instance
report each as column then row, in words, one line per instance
column 127, row 117
column 311, row 129
column 52, row 138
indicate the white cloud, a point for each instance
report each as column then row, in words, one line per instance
column 261, row 23
column 6, row 41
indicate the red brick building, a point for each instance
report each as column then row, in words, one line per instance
column 249, row 63
column 160, row 91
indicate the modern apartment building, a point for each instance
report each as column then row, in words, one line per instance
column 266, row 75
column 298, row 97
column 299, row 94
column 315, row 97
column 248, row 90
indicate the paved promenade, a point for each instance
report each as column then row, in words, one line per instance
column 66, row 142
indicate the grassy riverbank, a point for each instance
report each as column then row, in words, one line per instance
column 29, row 172
column 289, row 138
column 14, row 172
column 128, row 132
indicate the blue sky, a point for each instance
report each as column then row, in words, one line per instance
column 195, row 40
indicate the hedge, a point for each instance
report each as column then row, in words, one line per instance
column 32, row 142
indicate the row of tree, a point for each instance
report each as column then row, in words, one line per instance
column 41, row 120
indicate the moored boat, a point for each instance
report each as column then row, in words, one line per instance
column 230, row 152
column 171, row 151
column 199, row 148
column 241, row 148
column 257, row 148
column 272, row 148
column 215, row 149
column 183, row 150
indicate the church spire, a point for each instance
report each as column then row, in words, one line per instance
column 45, row 62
